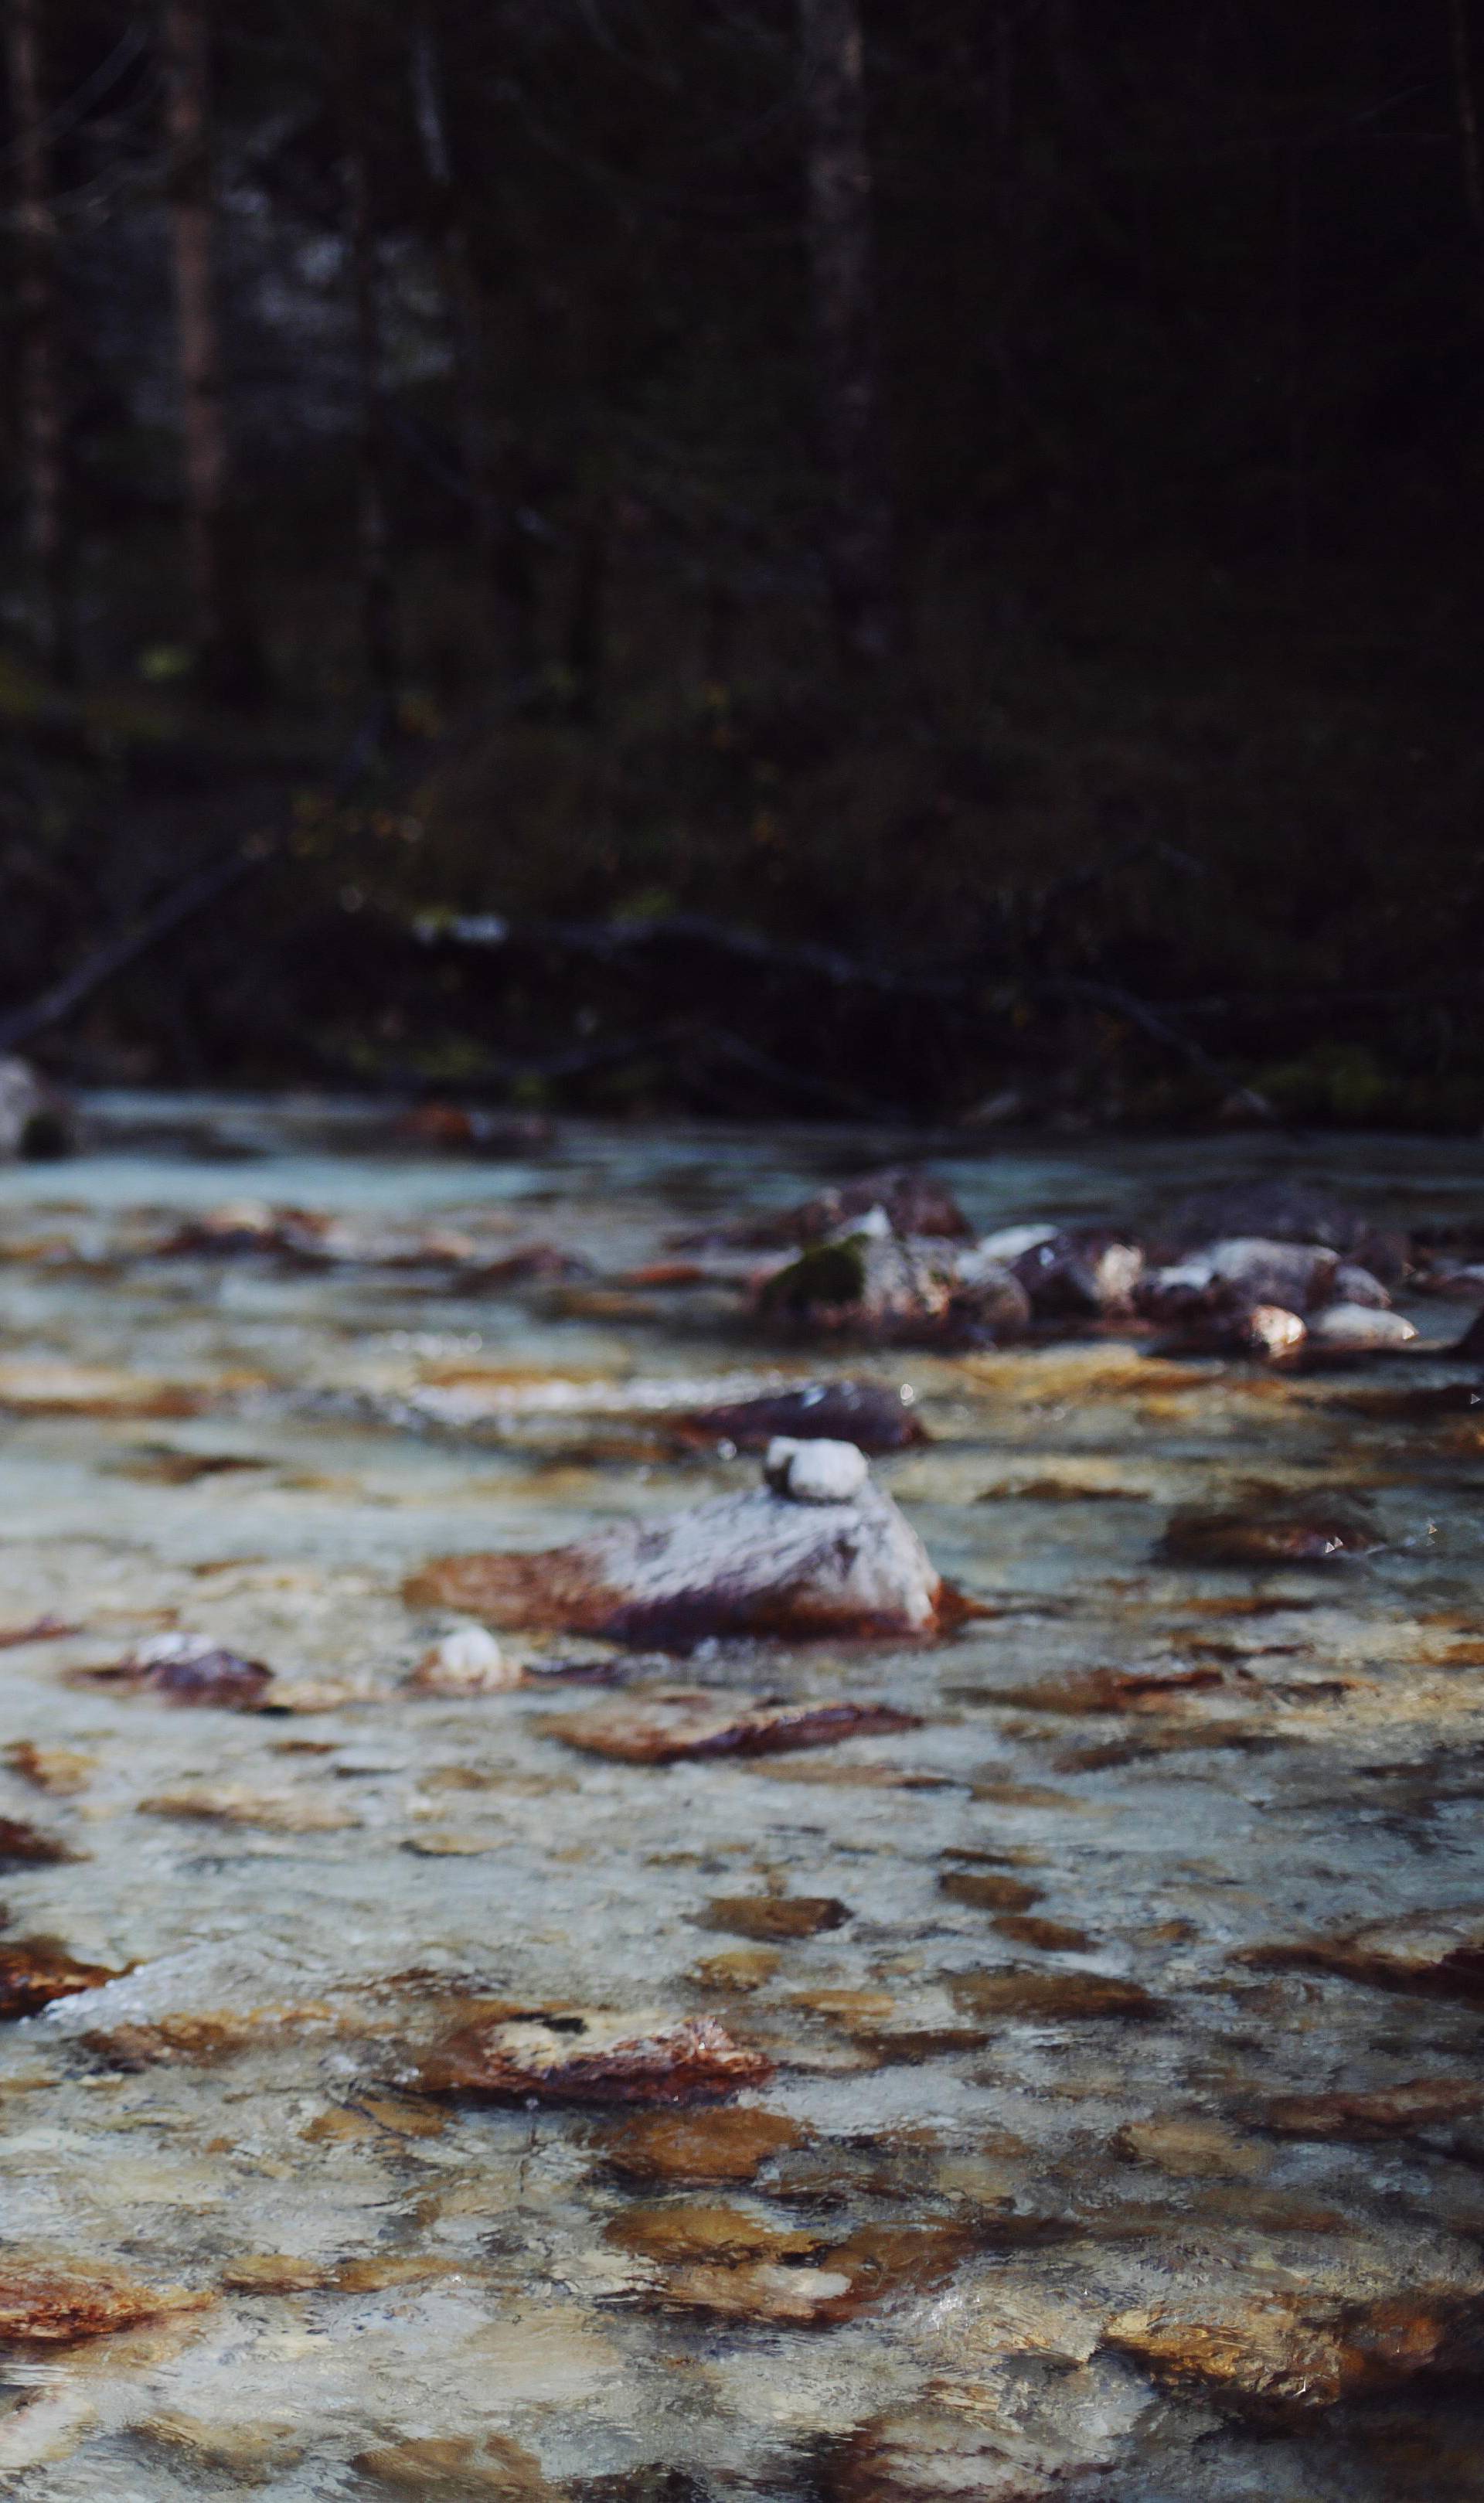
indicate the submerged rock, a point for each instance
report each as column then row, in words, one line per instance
column 669, row 1730
column 47, row 2299
column 248, row 1225
column 1379, row 2114
column 1280, row 2355
column 34, row 1972
column 768, row 1918
column 868, row 1414
column 457, row 2468
column 61, row 1771
column 719, row 2261
column 1438, row 1954
column 25, row 1846
column 753, row 1563
column 1031, row 2449
column 1301, row 1531
column 592, row 2056
column 730, row 2144
column 1040, row 1998
column 189, row 1670
column 283, row 1811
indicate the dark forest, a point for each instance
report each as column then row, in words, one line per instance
column 756, row 556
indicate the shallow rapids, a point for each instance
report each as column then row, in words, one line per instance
column 1119, row 1993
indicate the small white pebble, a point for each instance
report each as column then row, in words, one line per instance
column 818, row 1472
column 466, row 1662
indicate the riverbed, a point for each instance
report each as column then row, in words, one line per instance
column 1058, row 2074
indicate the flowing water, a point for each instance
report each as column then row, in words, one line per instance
column 1016, row 2226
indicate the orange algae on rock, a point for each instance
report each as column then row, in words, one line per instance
column 49, row 2300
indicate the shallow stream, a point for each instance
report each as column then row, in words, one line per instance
column 1089, row 2241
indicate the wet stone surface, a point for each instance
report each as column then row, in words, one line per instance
column 1038, row 2059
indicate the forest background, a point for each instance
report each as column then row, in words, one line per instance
column 749, row 556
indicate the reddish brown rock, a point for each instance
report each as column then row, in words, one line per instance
column 674, row 2234
column 876, row 2263
column 1090, row 1690
column 248, row 1225
column 985, row 1891
column 61, row 1771
column 1383, row 2113
column 457, row 2468
column 1044, row 1998
column 596, row 2057
column 25, row 1846
column 1052, row 1937
column 1437, row 1955
column 766, row 1917
column 1265, row 1536
column 48, row 2300
column 730, row 2144
column 33, row 1972
column 1281, row 2355
column 666, row 1729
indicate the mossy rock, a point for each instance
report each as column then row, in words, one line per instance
column 833, row 1273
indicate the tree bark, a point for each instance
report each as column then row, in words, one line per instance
column 40, row 388
column 228, row 659
column 861, row 551
column 505, row 558
column 378, row 598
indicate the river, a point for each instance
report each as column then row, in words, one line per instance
column 1036, row 2196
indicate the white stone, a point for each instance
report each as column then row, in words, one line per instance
column 815, row 1472
column 468, row 1661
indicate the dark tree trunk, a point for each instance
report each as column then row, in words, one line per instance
column 39, row 379
column 378, row 596
column 861, row 543
column 230, row 662
column 504, row 555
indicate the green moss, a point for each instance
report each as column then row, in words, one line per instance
column 831, row 1273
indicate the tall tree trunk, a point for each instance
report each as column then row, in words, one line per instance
column 230, row 662
column 43, row 419
column 1466, row 103
column 504, row 555
column 861, row 550
column 378, row 598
